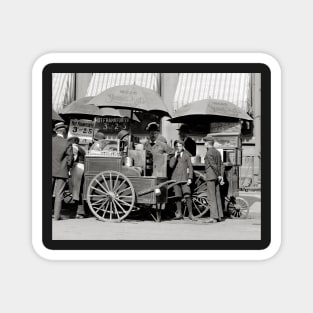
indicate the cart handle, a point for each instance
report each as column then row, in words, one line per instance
column 177, row 183
column 144, row 192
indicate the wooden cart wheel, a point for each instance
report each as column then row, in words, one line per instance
column 199, row 196
column 110, row 196
column 239, row 208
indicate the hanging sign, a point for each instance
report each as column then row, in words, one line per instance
column 83, row 129
column 111, row 125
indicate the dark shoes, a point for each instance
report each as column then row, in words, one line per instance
column 215, row 220
column 80, row 216
column 178, row 217
column 212, row 220
column 58, row 218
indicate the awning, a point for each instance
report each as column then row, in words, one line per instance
column 232, row 87
column 63, row 90
column 102, row 81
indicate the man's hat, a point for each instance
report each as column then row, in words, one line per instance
column 59, row 125
column 184, row 128
column 99, row 135
column 123, row 133
column 153, row 127
column 208, row 138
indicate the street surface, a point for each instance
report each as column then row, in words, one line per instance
column 131, row 229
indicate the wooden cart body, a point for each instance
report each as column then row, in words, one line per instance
column 95, row 165
column 150, row 191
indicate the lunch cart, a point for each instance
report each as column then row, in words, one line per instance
column 114, row 187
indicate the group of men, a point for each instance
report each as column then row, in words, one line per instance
column 180, row 162
column 182, row 170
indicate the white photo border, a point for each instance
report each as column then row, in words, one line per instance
column 156, row 255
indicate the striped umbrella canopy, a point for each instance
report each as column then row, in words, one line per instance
column 206, row 108
column 131, row 97
column 56, row 117
column 81, row 109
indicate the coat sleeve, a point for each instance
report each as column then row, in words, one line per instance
column 173, row 162
column 189, row 164
column 193, row 147
column 170, row 151
column 210, row 162
column 69, row 156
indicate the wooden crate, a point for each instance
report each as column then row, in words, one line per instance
column 97, row 164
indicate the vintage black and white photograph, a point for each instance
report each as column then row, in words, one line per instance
column 156, row 156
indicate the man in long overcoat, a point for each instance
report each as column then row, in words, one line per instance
column 182, row 171
column 213, row 164
column 189, row 144
column 62, row 160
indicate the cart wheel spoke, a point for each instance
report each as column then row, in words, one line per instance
column 105, row 190
column 98, row 201
column 239, row 209
column 106, row 208
column 116, row 182
column 117, row 203
column 110, row 196
column 120, row 186
column 196, row 207
column 101, row 206
column 101, row 191
column 105, row 182
column 123, row 202
column 110, row 210
column 115, row 208
column 111, row 183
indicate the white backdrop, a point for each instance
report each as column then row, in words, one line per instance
column 32, row 28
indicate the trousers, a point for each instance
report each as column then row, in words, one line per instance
column 214, row 199
column 76, row 180
column 58, row 187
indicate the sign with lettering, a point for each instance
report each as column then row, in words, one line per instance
column 111, row 125
column 83, row 129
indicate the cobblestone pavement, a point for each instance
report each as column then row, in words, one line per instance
column 230, row 229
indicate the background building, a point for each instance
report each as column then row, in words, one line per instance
column 178, row 89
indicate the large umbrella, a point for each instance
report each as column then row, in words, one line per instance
column 131, row 97
column 56, row 117
column 206, row 108
column 81, row 109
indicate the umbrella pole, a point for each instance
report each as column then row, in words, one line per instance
column 93, row 131
column 130, row 130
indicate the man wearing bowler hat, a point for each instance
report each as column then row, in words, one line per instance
column 213, row 164
column 62, row 160
column 189, row 144
column 154, row 144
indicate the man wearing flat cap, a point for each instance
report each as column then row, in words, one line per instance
column 154, row 145
column 213, row 167
column 189, row 144
column 62, row 160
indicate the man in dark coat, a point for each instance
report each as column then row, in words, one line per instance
column 189, row 144
column 182, row 171
column 62, row 160
column 154, row 145
column 213, row 163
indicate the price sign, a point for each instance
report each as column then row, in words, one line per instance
column 83, row 129
column 112, row 125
